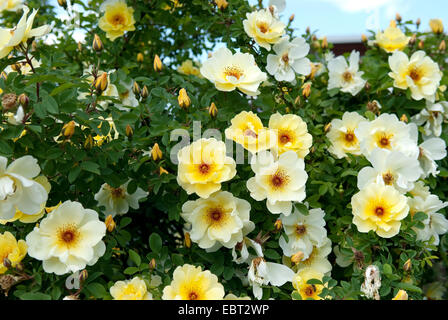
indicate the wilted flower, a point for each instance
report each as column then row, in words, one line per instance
column 372, row 283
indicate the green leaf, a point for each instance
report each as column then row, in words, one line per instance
column 97, row 290
column 135, row 257
column 155, row 242
column 91, row 167
column 35, row 296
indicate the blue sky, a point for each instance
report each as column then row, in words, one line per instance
column 344, row 20
column 340, row 19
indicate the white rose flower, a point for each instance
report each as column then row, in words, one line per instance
column 431, row 118
column 279, row 181
column 392, row 168
column 431, row 150
column 279, row 4
column 303, row 232
column 219, row 220
column 345, row 76
column 290, row 58
column 435, row 224
column 231, row 71
column 388, row 132
column 264, row 273
column 419, row 73
column 118, row 200
column 18, row 190
column 67, row 239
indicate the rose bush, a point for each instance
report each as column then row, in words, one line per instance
column 133, row 166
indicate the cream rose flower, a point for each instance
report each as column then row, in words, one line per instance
column 248, row 131
column 380, row 208
column 117, row 19
column 18, row 190
column 118, row 200
column 279, row 181
column 264, row 28
column 67, row 239
column 304, row 232
column 392, row 38
column 431, row 118
column 233, row 71
column 134, row 289
column 219, row 220
column 11, row 38
column 308, row 291
column 419, row 73
column 11, row 5
column 191, row 283
column 203, row 166
column 342, row 135
column 32, row 218
column 292, row 134
column 11, row 249
column 346, row 77
column 388, row 132
column 318, row 258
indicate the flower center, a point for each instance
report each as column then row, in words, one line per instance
column 349, row 137
column 300, row 229
column 388, row 178
column 117, row 192
column 279, row 179
column 193, row 296
column 285, row 58
column 215, row 214
column 347, row 76
column 309, row 290
column 263, row 26
column 234, row 72
column 68, row 235
column 383, row 140
column 204, row 168
column 249, row 133
column 118, row 19
column 379, row 211
column 415, row 74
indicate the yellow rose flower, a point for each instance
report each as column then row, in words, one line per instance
column 392, row 38
column 203, row 166
column 436, row 25
column 308, row 291
column 11, row 249
column 401, row 295
column 191, row 283
column 188, row 68
column 380, row 208
column 248, row 131
column 292, row 134
column 117, row 19
column 134, row 289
